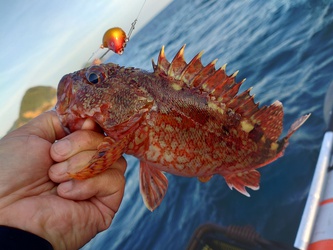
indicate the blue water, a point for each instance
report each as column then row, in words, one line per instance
column 285, row 50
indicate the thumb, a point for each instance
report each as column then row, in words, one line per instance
column 46, row 126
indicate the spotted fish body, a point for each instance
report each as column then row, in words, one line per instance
column 183, row 118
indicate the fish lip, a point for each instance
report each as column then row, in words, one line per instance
column 63, row 118
column 70, row 120
column 62, row 107
column 64, row 93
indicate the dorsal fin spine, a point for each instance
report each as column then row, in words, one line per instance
column 235, row 74
column 224, row 66
column 193, row 66
column 204, row 73
column 178, row 64
column 214, row 80
column 162, row 64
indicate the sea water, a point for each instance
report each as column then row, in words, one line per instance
column 285, row 50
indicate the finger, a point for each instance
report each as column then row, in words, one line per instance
column 105, row 184
column 59, row 171
column 89, row 124
column 78, row 141
column 46, row 126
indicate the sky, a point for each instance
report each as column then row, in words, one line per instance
column 42, row 40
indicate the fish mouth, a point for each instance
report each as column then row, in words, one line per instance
column 69, row 120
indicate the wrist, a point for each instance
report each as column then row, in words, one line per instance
column 13, row 223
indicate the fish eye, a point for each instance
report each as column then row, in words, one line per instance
column 95, row 74
column 93, row 78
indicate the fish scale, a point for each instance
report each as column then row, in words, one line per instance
column 183, row 118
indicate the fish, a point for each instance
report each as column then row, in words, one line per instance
column 182, row 118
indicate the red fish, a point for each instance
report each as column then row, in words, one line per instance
column 183, row 118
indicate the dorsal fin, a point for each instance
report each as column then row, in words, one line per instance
column 193, row 74
column 221, row 88
column 222, row 95
column 216, row 83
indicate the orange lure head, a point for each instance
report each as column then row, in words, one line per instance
column 115, row 39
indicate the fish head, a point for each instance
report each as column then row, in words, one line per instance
column 105, row 93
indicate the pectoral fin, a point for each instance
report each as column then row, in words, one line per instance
column 244, row 179
column 153, row 185
column 108, row 152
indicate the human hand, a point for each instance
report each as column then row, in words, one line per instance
column 68, row 214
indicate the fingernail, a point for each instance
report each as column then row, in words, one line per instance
column 66, row 186
column 62, row 147
column 60, row 169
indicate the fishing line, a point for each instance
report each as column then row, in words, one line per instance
column 134, row 23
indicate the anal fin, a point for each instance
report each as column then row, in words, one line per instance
column 153, row 185
column 244, row 179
